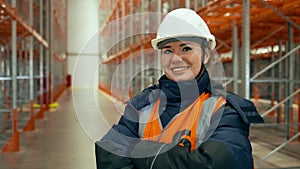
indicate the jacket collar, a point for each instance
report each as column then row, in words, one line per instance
column 184, row 90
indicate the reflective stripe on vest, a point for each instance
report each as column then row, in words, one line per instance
column 193, row 122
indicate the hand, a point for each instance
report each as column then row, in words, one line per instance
column 149, row 154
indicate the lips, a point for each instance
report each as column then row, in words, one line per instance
column 179, row 69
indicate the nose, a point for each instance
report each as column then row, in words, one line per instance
column 177, row 57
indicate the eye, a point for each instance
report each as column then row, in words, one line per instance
column 185, row 49
column 168, row 51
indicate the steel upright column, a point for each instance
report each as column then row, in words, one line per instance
column 203, row 3
column 47, row 56
column 289, row 78
column 159, row 13
column 195, row 5
column 187, row 3
column 142, row 45
column 235, row 55
column 1, row 74
column 123, row 57
column 13, row 143
column 272, row 77
column 292, row 62
column 118, row 48
column 41, row 57
column 51, row 40
column 142, row 68
column 31, row 51
column 123, row 24
column 41, row 47
column 131, row 68
column 30, row 126
column 279, row 96
column 14, row 62
column 246, row 49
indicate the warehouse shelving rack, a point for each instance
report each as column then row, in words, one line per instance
column 33, row 64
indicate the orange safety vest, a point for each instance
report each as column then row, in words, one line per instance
column 193, row 122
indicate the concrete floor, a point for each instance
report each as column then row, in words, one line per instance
column 59, row 142
column 64, row 139
column 265, row 140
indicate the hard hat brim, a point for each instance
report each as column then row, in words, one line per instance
column 158, row 43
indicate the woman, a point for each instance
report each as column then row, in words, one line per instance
column 187, row 120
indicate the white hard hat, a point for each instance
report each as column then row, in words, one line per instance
column 180, row 23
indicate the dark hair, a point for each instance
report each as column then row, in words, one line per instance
column 202, row 41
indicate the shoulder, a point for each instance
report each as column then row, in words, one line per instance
column 144, row 98
column 245, row 108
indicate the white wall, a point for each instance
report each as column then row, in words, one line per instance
column 83, row 42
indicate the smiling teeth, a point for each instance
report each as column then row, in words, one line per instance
column 179, row 69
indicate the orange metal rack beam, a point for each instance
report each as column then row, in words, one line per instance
column 116, row 6
column 126, row 52
column 14, row 15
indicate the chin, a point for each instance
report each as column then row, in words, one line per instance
column 182, row 78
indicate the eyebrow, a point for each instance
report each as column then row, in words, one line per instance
column 182, row 45
column 166, row 47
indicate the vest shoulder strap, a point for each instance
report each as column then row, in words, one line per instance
column 245, row 108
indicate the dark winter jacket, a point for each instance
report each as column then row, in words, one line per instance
column 228, row 146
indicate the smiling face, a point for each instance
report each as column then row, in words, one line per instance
column 181, row 60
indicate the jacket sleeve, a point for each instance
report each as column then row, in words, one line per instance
column 112, row 150
column 233, row 132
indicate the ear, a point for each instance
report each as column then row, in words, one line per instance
column 207, row 56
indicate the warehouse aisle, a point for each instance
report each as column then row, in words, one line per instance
column 59, row 142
